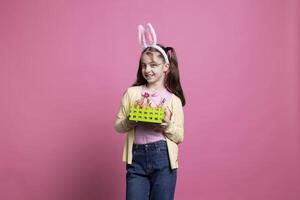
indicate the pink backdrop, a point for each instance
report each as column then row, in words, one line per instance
column 65, row 64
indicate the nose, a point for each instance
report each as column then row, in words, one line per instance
column 147, row 68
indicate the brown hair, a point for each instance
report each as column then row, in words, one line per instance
column 172, row 79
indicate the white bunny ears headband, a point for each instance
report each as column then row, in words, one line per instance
column 147, row 38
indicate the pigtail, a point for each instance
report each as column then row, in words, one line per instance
column 172, row 81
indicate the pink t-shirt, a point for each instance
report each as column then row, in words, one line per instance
column 145, row 135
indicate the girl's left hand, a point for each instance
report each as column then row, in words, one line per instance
column 168, row 115
column 166, row 121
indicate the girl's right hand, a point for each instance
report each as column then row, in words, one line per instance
column 130, row 123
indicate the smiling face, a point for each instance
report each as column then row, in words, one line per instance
column 153, row 67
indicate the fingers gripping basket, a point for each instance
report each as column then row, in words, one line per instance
column 146, row 114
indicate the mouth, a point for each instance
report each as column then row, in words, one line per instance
column 148, row 76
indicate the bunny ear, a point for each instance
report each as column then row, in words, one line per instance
column 152, row 40
column 152, row 34
column 142, row 38
column 149, row 38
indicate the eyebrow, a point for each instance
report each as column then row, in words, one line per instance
column 152, row 62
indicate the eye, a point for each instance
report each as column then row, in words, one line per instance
column 153, row 65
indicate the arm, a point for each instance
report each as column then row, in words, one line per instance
column 121, row 123
column 175, row 129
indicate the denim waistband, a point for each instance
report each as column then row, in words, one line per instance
column 151, row 145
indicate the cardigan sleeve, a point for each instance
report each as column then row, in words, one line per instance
column 121, row 119
column 175, row 131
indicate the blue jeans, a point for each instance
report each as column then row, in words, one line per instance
column 150, row 175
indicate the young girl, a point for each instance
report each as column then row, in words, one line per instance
column 151, row 150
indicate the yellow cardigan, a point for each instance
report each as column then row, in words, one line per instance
column 174, row 132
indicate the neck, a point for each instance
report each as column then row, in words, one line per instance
column 155, row 86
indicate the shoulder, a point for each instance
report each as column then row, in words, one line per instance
column 176, row 100
column 133, row 90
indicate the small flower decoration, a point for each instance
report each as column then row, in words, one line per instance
column 139, row 103
column 163, row 100
column 146, row 95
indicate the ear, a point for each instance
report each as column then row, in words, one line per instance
column 166, row 67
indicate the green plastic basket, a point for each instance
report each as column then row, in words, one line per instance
column 146, row 114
